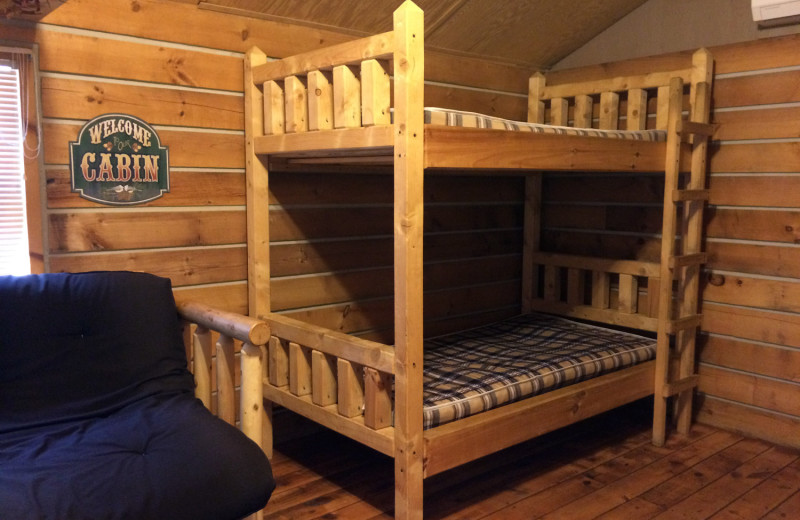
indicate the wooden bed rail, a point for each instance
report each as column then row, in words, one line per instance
column 329, row 373
column 581, row 287
column 347, row 86
column 562, row 104
column 231, row 327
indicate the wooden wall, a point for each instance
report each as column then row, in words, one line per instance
column 185, row 79
column 331, row 244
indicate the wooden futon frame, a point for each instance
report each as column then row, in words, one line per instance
column 361, row 102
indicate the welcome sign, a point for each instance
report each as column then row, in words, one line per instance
column 118, row 159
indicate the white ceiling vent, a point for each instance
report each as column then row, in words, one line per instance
column 769, row 13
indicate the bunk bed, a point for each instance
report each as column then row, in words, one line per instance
column 361, row 102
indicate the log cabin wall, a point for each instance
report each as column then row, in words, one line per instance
column 185, row 79
column 331, row 244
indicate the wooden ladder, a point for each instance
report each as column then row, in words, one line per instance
column 681, row 263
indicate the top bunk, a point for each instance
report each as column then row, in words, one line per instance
column 352, row 103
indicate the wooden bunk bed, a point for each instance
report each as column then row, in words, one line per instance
column 361, row 102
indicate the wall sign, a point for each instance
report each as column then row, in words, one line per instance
column 118, row 160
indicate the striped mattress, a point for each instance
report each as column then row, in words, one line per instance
column 486, row 367
column 447, row 117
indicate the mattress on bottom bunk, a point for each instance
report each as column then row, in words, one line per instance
column 482, row 368
column 447, row 117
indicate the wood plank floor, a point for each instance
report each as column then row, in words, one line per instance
column 603, row 468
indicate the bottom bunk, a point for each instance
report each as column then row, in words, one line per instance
column 488, row 387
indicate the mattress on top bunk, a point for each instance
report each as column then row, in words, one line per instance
column 472, row 371
column 447, row 117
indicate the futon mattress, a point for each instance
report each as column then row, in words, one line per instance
column 482, row 368
column 447, row 117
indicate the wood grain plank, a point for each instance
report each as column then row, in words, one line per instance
column 755, row 190
column 105, row 231
column 721, row 492
column 757, row 157
column 98, row 55
column 753, row 224
column 770, row 260
column 85, row 98
column 756, row 358
column 770, row 426
column 759, row 325
column 749, row 389
column 183, row 267
column 740, row 289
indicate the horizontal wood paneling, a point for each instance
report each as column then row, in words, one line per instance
column 191, row 266
column 739, row 158
column 753, row 422
column 753, row 390
column 757, row 89
column 782, row 294
column 113, row 230
column 756, row 358
column 67, row 97
column 755, row 324
column 187, row 188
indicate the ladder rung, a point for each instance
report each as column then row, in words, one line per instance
column 681, row 385
column 685, row 260
column 684, row 195
column 705, row 129
column 687, row 322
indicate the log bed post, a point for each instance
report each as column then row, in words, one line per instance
column 408, row 223
column 258, row 271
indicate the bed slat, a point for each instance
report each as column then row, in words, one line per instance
column 375, row 93
column 320, row 101
column 299, row 369
column 273, row 108
column 351, row 388
column 378, row 399
column 296, row 105
column 609, row 111
column 346, row 98
column 278, row 362
column 583, row 111
column 323, row 375
column 636, row 117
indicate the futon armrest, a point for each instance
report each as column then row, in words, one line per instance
column 237, row 326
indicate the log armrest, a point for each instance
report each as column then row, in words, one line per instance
column 231, row 327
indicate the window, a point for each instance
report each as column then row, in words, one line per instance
column 14, row 249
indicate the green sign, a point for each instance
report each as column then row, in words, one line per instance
column 118, row 159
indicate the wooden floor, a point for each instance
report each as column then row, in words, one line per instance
column 604, row 468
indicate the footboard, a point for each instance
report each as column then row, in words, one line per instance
column 334, row 99
column 339, row 381
column 618, row 292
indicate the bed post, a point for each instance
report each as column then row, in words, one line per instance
column 408, row 207
column 532, row 222
column 258, row 275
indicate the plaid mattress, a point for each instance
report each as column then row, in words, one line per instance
column 482, row 368
column 446, row 117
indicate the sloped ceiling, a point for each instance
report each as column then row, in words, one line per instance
column 530, row 33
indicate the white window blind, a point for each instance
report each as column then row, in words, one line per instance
column 14, row 257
